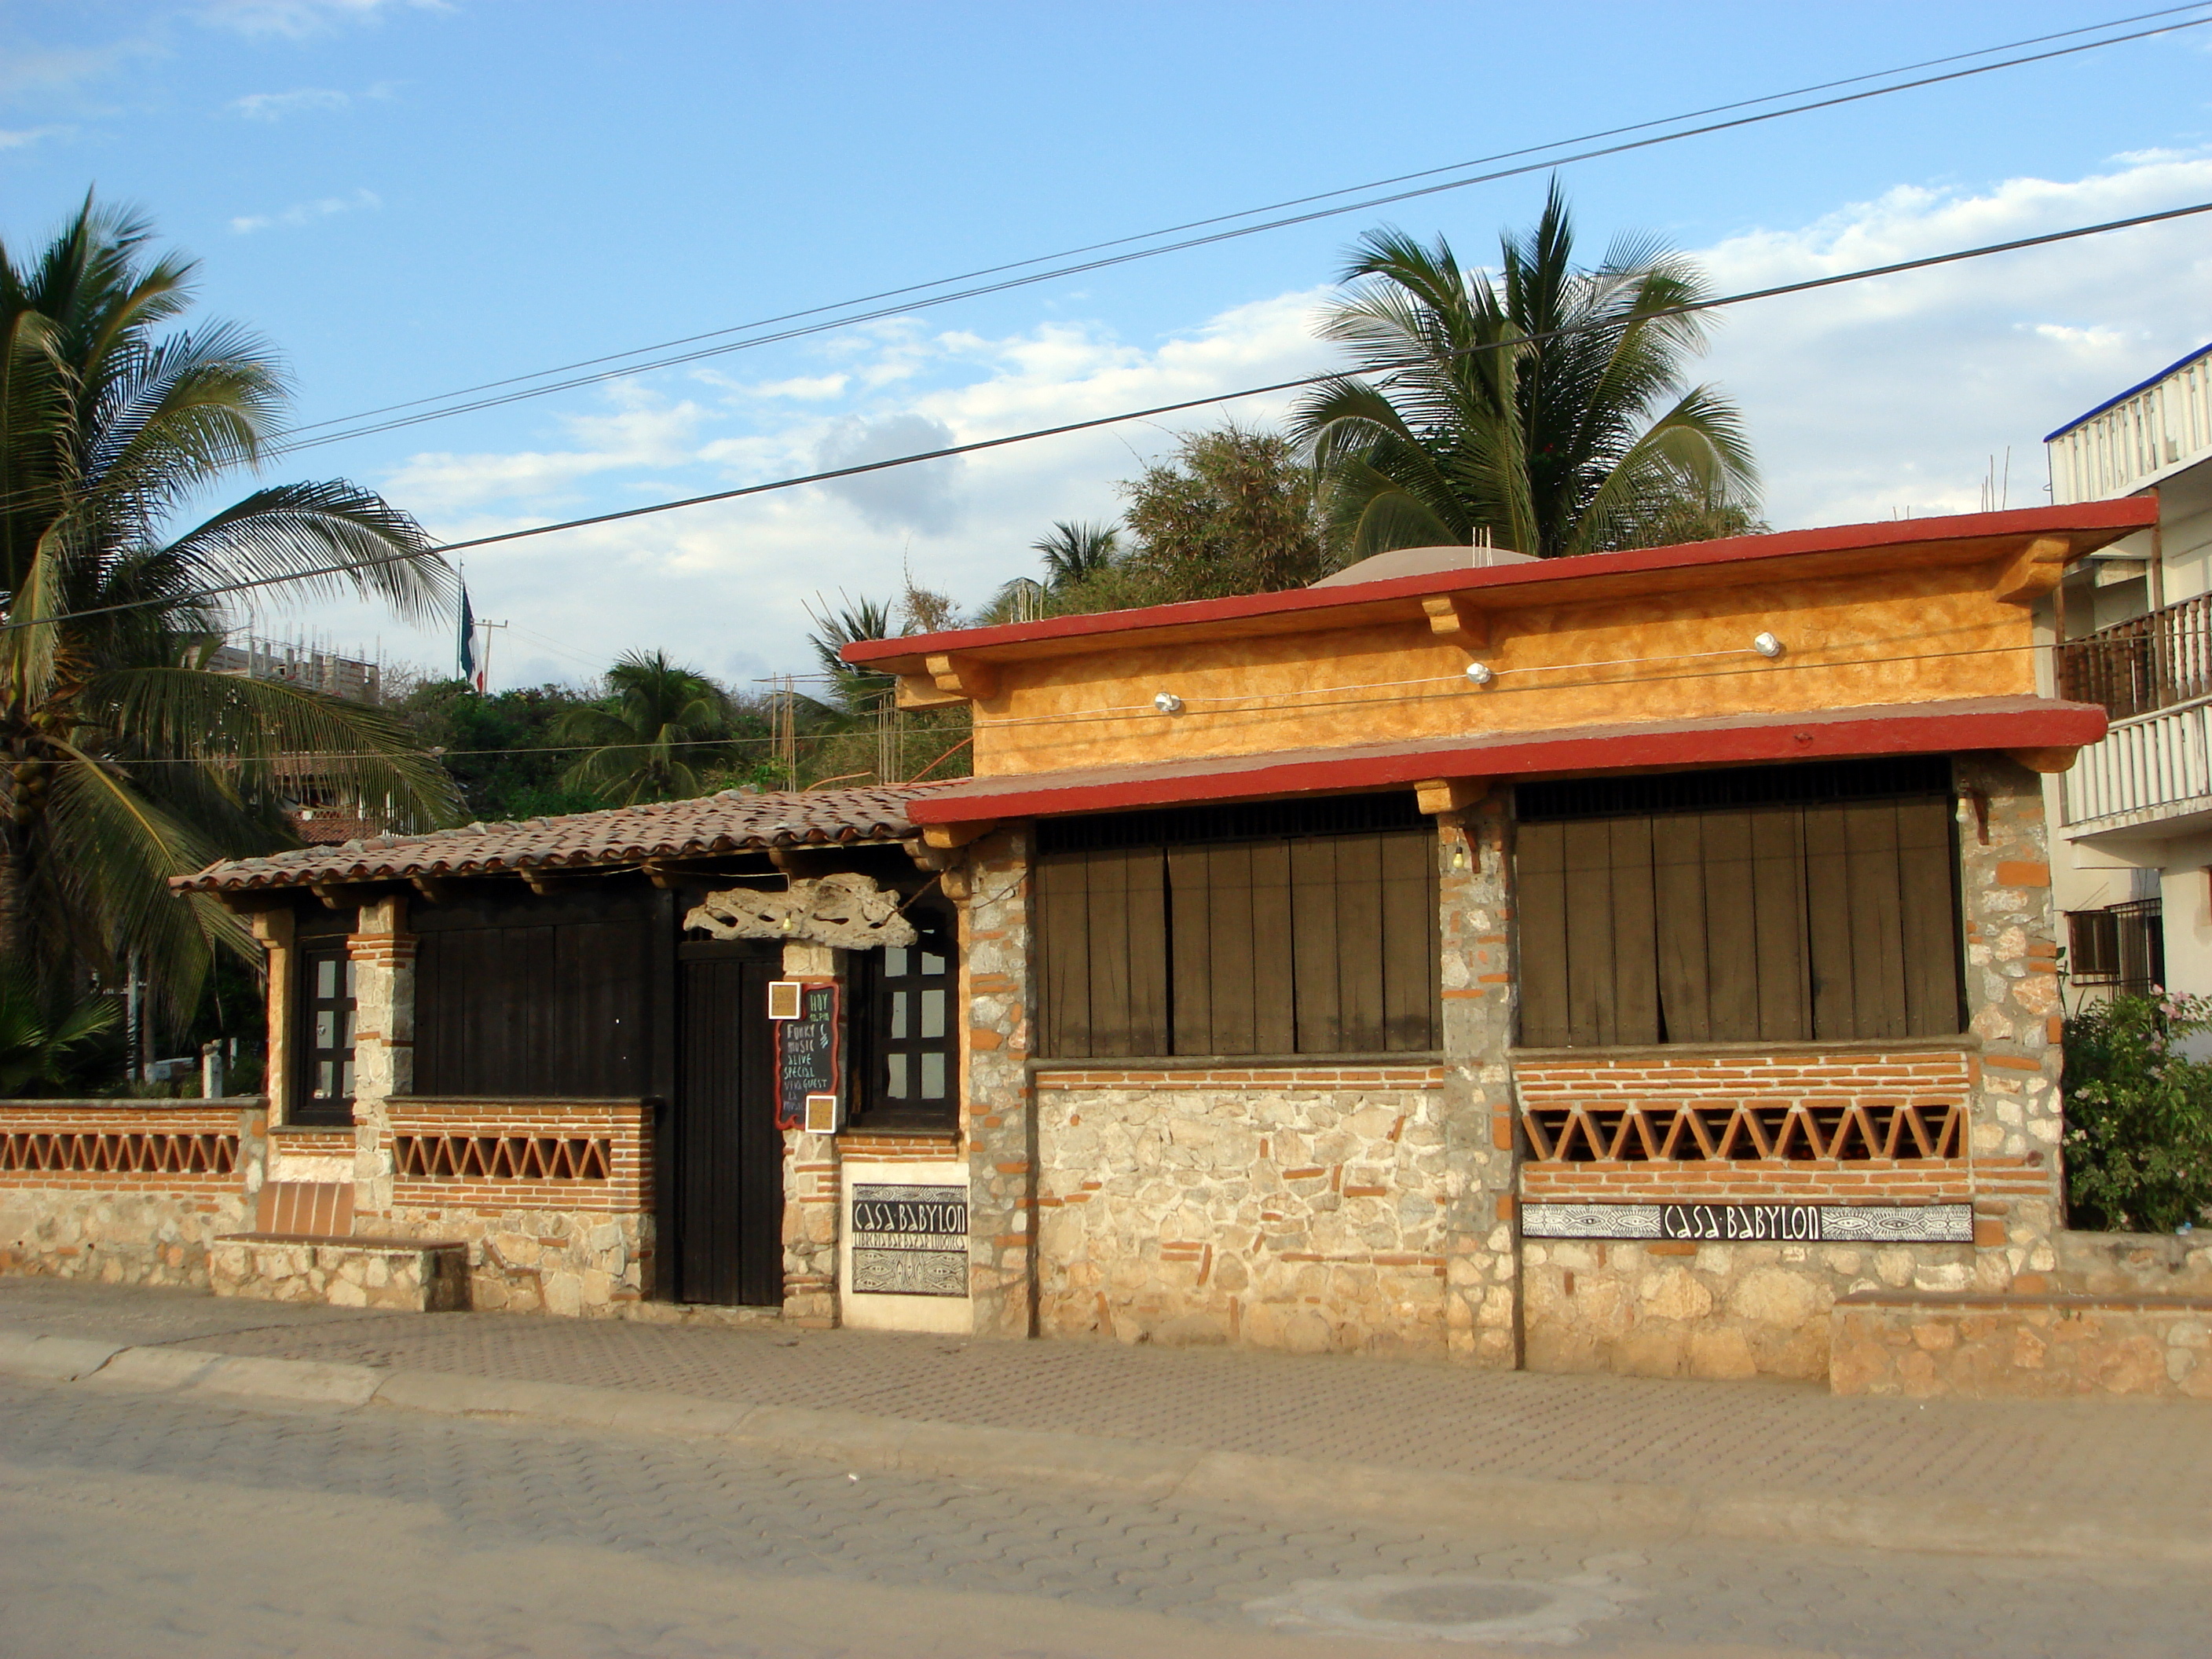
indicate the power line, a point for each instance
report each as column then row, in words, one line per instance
column 279, row 447
column 1808, row 285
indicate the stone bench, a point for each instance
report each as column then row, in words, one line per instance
column 303, row 1250
column 1918, row 1344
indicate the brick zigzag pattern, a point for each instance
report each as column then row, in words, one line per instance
column 128, row 1152
column 503, row 1157
column 1717, row 1134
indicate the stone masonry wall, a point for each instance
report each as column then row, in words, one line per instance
column 1300, row 1208
column 125, row 1192
column 1676, row 1308
column 993, row 888
column 1479, row 975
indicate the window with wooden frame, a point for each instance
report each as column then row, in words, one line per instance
column 905, row 1038
column 1296, row 927
column 1766, row 904
column 322, row 1088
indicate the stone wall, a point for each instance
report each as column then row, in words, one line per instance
column 2044, row 1347
column 993, row 886
column 1670, row 1308
column 2144, row 1264
column 125, row 1192
column 1301, row 1208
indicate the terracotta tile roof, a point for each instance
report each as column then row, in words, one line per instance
column 727, row 822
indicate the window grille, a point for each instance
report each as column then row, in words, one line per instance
column 907, row 1041
column 2122, row 946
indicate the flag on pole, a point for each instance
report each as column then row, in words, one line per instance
column 471, row 670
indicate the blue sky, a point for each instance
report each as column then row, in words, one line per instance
column 408, row 198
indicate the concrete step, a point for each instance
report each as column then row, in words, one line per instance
column 2057, row 1346
column 349, row 1271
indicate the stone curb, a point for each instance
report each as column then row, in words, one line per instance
column 899, row 1445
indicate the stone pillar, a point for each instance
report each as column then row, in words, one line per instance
column 812, row 1192
column 1482, row 1283
column 1000, row 1105
column 273, row 928
column 383, row 955
column 2012, row 1005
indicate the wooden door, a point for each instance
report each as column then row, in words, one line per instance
column 728, row 1154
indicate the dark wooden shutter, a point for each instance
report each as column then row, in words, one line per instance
column 1541, row 904
column 1102, row 916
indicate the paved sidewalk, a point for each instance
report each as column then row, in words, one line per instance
column 2143, row 1467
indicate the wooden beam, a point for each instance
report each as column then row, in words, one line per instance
column 2034, row 571
column 964, row 677
column 1449, row 794
column 436, row 889
column 1459, row 620
column 946, row 837
column 342, row 896
column 920, row 691
column 2045, row 760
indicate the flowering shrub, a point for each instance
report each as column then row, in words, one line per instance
column 2138, row 1115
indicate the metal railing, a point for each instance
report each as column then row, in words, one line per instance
column 2146, row 664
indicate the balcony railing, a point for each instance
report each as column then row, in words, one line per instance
column 2144, row 664
column 2144, row 764
column 2166, row 421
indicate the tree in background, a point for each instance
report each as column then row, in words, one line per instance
column 1542, row 407
column 124, row 759
column 662, row 733
column 498, row 748
column 2138, row 1115
column 862, row 734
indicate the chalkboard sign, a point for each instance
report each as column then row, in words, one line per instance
column 806, row 1054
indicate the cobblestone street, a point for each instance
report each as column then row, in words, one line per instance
column 139, row 1524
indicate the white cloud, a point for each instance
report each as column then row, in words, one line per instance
column 25, row 137
column 1893, row 394
column 307, row 213
column 23, row 68
column 920, row 498
column 275, row 106
column 1863, row 401
column 297, row 20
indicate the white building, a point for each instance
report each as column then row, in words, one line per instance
column 2131, row 823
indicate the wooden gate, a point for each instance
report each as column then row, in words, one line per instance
column 728, row 1187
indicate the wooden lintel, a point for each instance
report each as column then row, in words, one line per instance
column 342, row 896
column 1459, row 620
column 2045, row 760
column 964, row 676
column 436, row 889
column 541, row 882
column 920, row 692
column 944, row 836
column 2034, row 571
column 1449, row 794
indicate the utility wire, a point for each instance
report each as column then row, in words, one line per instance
column 1778, row 290
column 280, row 446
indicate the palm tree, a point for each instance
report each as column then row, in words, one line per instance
column 1543, row 406
column 123, row 761
column 1074, row 553
column 662, row 733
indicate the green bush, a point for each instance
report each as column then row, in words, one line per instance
column 2138, row 1115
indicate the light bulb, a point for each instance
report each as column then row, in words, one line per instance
column 1168, row 703
column 1767, row 645
column 1479, row 673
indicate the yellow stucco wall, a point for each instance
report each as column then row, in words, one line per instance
column 1892, row 636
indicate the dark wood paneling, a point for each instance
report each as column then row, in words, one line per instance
column 1062, row 889
column 1877, row 928
column 1731, row 928
column 1315, row 947
column 1827, row 925
column 1274, row 982
column 1927, row 859
column 727, row 1244
column 1635, row 942
column 1778, row 885
column 1144, row 911
column 544, row 1010
column 1588, row 860
column 1359, row 897
column 1193, row 970
column 1539, row 876
column 1679, row 906
column 1410, row 942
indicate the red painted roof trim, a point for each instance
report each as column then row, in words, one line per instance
column 1853, row 733
column 2123, row 515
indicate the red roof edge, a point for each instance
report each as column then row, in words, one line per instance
column 2122, row 514
column 1906, row 729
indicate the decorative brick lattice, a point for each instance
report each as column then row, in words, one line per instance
column 1686, row 1132
column 503, row 1157
column 131, row 1151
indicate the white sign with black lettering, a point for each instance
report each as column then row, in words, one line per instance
column 1755, row 1223
column 904, row 1253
